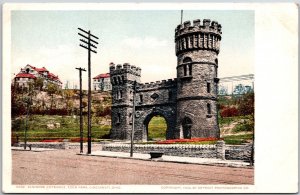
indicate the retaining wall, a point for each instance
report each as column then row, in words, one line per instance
column 53, row 145
column 219, row 150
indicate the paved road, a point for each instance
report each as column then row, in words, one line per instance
column 64, row 167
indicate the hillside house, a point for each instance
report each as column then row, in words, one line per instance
column 30, row 73
column 101, row 82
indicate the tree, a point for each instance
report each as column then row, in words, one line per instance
column 39, row 83
column 246, row 105
column 51, row 90
column 69, row 93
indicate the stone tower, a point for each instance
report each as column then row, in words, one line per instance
column 122, row 79
column 197, row 48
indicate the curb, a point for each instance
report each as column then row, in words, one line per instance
column 172, row 161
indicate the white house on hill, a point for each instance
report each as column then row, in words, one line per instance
column 30, row 73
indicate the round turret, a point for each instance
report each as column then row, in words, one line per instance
column 197, row 36
column 197, row 47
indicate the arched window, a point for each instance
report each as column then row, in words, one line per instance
column 187, row 67
column 187, row 60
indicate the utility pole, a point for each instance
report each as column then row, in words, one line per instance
column 181, row 16
column 80, row 108
column 88, row 40
column 133, row 116
column 26, row 124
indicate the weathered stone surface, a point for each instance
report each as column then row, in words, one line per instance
column 219, row 150
column 188, row 102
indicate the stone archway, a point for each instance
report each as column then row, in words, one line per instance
column 146, row 124
column 186, row 127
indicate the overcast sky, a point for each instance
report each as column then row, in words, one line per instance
column 142, row 38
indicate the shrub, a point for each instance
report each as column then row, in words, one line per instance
column 249, row 126
column 229, row 112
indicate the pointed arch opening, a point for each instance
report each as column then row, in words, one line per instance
column 186, row 127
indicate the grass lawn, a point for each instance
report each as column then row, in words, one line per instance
column 157, row 128
column 69, row 127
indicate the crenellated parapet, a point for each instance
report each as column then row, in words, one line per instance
column 124, row 73
column 125, row 68
column 157, row 85
column 205, row 35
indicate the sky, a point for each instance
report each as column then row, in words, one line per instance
column 143, row 38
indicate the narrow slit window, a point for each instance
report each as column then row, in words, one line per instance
column 141, row 98
column 208, row 109
column 208, row 87
column 121, row 94
column 184, row 70
column 170, row 95
column 190, row 69
column 130, row 118
column 119, row 118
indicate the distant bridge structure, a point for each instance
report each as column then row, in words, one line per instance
column 236, row 85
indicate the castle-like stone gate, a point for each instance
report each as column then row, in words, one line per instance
column 188, row 102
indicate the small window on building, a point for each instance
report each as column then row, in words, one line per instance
column 141, row 98
column 184, row 70
column 131, row 96
column 208, row 108
column 170, row 95
column 120, row 94
column 187, row 60
column 208, row 87
column 130, row 118
column 190, row 69
column 119, row 118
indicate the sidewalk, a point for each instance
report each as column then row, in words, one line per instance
column 173, row 159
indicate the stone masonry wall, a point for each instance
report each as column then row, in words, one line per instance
column 203, row 151
column 219, row 150
column 188, row 102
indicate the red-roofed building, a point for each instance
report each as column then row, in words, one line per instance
column 102, row 82
column 29, row 73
